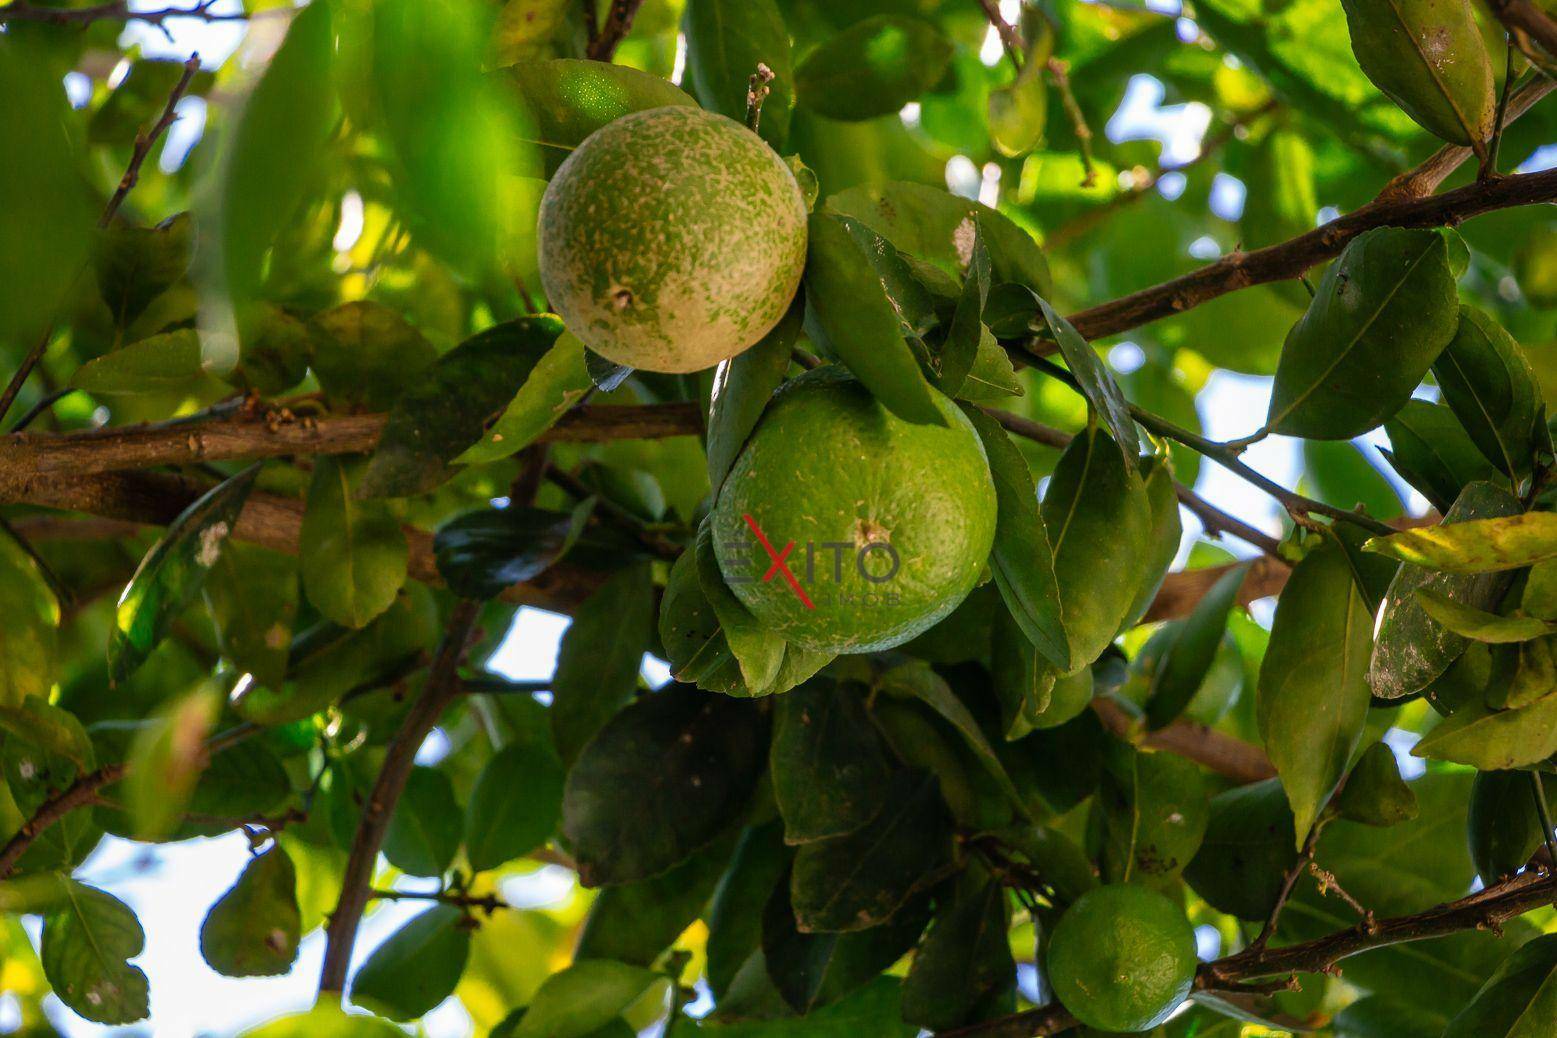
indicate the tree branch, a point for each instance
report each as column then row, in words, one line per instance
column 119, row 11
column 602, row 45
column 1484, row 910
column 442, row 687
column 1224, row 754
column 1289, row 259
column 1527, row 17
column 27, row 457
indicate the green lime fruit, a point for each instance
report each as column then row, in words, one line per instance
column 882, row 526
column 1122, row 958
column 672, row 239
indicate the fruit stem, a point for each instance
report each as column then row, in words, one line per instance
column 756, row 93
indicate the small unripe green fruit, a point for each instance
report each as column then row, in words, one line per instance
column 672, row 239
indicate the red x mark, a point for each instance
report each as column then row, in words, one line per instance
column 778, row 566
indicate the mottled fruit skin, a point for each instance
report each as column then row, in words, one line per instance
column 1122, row 958
column 858, row 491
column 671, row 239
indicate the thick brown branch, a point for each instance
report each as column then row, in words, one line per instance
column 602, row 45
column 1238, row 270
column 26, row 457
column 1527, row 17
column 442, row 687
column 1224, row 754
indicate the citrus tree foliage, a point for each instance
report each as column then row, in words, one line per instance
column 296, row 430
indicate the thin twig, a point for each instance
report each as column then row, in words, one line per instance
column 441, row 689
column 1489, row 168
column 602, row 44
column 120, row 11
column 1329, row 884
column 756, row 94
column 1289, row 883
column 144, row 141
column 488, row 903
column 1060, row 75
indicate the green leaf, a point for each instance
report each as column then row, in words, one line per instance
column 1023, row 681
column 434, row 422
column 416, row 967
column 874, row 67
column 635, row 922
column 1249, row 847
column 1375, row 793
column 52, row 729
column 1342, row 474
column 1313, row 686
column 251, row 593
column 742, row 386
column 569, row 99
column 1152, row 810
column 46, row 208
column 1057, row 858
column 1503, row 822
column 1099, row 522
column 29, row 638
column 87, row 942
column 705, row 752
column 253, row 929
column 558, row 381
column 871, row 1012
column 1476, row 546
column 1167, row 531
column 735, row 914
column 694, row 643
column 1019, row 112
column 1489, row 385
column 758, row 650
column 526, row 28
column 168, row 363
column 1518, row 1001
column 1376, row 1016
column 166, row 761
column 170, row 576
column 598, row 662
column 726, row 40
column 1433, row 452
column 135, row 265
column 366, row 355
column 960, row 352
column 1429, row 58
column 811, row 970
column 1494, row 740
column 484, row 553
column 1380, row 316
column 425, row 830
column 993, row 376
column 517, row 798
column 1186, row 658
column 934, row 225
column 353, row 552
column 583, row 998
column 1282, row 199
column 965, row 956
column 846, row 295
column 1410, row 649
column 1021, row 559
column 1479, row 624
column 1096, row 382
column 326, row 1020
column 827, row 763
column 271, row 156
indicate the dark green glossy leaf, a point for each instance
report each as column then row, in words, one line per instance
column 1342, row 475
column 558, row 381
column 1410, row 649
column 1379, row 318
column 1021, row 559
column 436, row 420
column 88, row 939
column 1249, row 846
column 416, row 967
column 1488, row 383
column 828, row 765
column 960, row 352
column 743, row 384
column 482, row 554
column 425, row 830
column 871, row 1012
column 860, row 322
column 253, row 929
column 872, row 68
column 1433, row 452
column 1099, row 522
column 252, row 596
column 1096, row 382
column 353, row 552
column 634, row 922
column 965, row 956
column 1167, row 530
column 1504, row 823
column 1313, row 687
column 726, row 40
column 1375, row 793
column 735, row 914
column 1519, row 999
column 1188, row 652
column 601, row 654
column 517, row 799
column 1375, row 1016
column 758, row 650
column 706, row 753
column 1152, row 811
column 171, row 574
column 583, row 998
